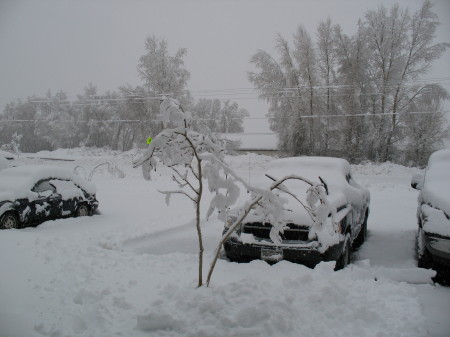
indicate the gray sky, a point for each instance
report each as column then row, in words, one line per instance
column 62, row 44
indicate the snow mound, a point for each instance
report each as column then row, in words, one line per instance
column 387, row 168
column 299, row 302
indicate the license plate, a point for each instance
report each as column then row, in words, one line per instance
column 272, row 254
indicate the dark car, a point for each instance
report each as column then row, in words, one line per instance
column 301, row 240
column 433, row 215
column 30, row 195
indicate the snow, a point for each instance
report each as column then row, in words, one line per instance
column 435, row 221
column 436, row 186
column 67, row 189
column 7, row 155
column 246, row 142
column 17, row 182
column 332, row 170
column 3, row 163
column 132, row 269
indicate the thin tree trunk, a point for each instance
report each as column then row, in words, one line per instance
column 199, row 229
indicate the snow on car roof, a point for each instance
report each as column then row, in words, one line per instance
column 436, row 187
column 334, row 171
column 312, row 167
column 17, row 182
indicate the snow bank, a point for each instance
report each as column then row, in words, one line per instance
column 286, row 300
column 132, row 270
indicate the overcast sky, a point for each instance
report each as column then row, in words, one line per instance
column 62, row 44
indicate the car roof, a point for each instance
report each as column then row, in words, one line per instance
column 17, row 182
column 436, row 188
column 328, row 168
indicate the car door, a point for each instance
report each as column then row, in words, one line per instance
column 46, row 206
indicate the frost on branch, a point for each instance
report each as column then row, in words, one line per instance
column 192, row 157
column 324, row 227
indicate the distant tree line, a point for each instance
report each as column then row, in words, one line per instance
column 120, row 120
column 359, row 97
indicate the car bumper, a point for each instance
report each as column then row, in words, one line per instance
column 308, row 256
column 439, row 248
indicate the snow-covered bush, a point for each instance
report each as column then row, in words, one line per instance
column 113, row 169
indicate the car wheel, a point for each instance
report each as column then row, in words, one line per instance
column 362, row 235
column 9, row 220
column 344, row 259
column 82, row 210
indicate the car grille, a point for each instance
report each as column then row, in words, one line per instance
column 291, row 233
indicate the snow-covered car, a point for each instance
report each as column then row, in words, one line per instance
column 304, row 239
column 433, row 214
column 30, row 195
column 3, row 163
column 7, row 155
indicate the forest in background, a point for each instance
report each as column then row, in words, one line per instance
column 360, row 97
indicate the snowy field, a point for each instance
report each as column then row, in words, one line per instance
column 132, row 269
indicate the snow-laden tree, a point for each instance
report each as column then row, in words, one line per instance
column 368, row 82
column 402, row 50
column 425, row 133
column 218, row 116
column 194, row 157
column 163, row 73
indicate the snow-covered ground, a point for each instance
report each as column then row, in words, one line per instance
column 132, row 270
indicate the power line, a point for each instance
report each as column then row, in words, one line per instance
column 216, row 119
column 207, row 93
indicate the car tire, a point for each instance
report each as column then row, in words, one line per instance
column 9, row 220
column 82, row 210
column 362, row 235
column 344, row 259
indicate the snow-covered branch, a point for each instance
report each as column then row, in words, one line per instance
column 169, row 193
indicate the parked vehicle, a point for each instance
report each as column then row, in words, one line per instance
column 433, row 215
column 30, row 195
column 301, row 240
column 4, row 163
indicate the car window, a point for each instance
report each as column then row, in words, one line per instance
column 67, row 189
column 44, row 186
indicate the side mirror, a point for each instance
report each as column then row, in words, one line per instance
column 417, row 181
